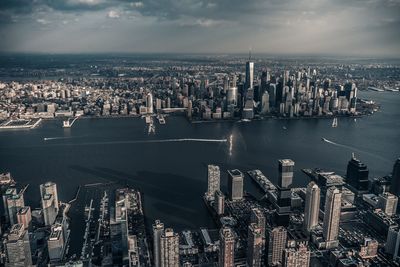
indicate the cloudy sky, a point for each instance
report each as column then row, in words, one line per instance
column 347, row 27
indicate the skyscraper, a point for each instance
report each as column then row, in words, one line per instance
column 219, row 202
column 257, row 217
column 265, row 103
column 55, row 243
column 227, row 247
column 299, row 257
column 149, row 103
column 357, row 174
column 213, row 175
column 254, row 246
column 235, row 184
column 276, row 243
column 312, row 206
column 285, row 178
column 388, row 203
column 249, row 75
column 18, row 247
column 24, row 216
column 395, row 187
column 332, row 217
column 14, row 204
column 158, row 229
column 169, row 248
column 49, row 199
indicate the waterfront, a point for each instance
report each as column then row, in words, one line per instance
column 172, row 175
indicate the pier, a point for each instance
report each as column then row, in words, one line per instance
column 68, row 124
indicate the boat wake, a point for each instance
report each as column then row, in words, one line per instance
column 149, row 141
column 353, row 149
column 55, row 138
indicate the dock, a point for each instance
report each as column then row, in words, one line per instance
column 68, row 124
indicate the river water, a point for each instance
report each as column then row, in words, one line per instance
column 170, row 170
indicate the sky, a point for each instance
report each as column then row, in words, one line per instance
column 330, row 27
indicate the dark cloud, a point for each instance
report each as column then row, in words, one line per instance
column 283, row 26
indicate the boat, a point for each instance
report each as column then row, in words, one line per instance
column 334, row 123
column 324, row 139
column 284, row 128
column 161, row 119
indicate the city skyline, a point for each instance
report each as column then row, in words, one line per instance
column 307, row 27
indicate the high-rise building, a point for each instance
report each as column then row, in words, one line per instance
column 312, row 206
column 369, row 249
column 265, row 103
column 14, row 204
column 24, row 216
column 213, row 175
column 6, row 195
column 395, row 187
column 169, row 248
column 249, row 75
column 219, row 202
column 227, row 247
column 257, row 217
column 392, row 245
column 49, row 199
column 388, row 203
column 332, row 217
column 55, row 243
column 149, row 103
column 299, row 257
column 276, row 243
column 235, row 184
column 158, row 229
column 357, row 174
column 285, row 179
column 254, row 246
column 18, row 247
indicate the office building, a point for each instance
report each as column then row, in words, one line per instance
column 296, row 257
column 149, row 103
column 392, row 245
column 18, row 247
column 332, row 217
column 311, row 211
column 49, row 199
column 14, row 204
column 24, row 216
column 283, row 203
column 387, row 202
column 249, row 75
column 276, row 243
column 395, row 187
column 169, row 248
column 254, row 246
column 235, row 184
column 7, row 194
column 158, row 229
column 55, row 243
column 357, row 175
column 219, row 202
column 265, row 103
column 213, row 177
column 257, row 217
column 227, row 247
column 369, row 249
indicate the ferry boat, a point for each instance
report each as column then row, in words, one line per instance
column 161, row 119
column 334, row 123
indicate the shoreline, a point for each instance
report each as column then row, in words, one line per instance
column 40, row 120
